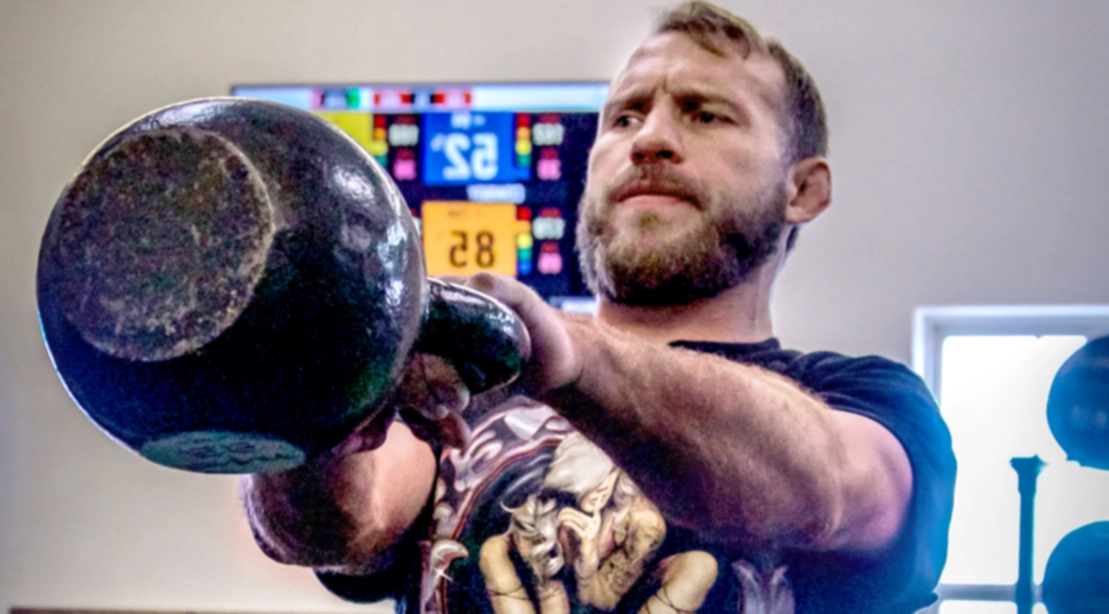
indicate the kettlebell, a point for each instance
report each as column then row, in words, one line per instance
column 233, row 286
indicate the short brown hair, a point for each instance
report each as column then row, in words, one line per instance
column 804, row 122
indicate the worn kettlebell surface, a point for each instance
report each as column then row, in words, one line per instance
column 152, row 287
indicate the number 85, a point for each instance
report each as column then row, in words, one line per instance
column 484, row 257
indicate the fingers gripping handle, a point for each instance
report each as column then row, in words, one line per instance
column 484, row 340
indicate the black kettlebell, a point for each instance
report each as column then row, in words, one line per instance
column 233, row 286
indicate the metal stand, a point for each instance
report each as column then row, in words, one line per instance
column 1028, row 470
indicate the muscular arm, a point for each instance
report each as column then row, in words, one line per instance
column 734, row 452
column 342, row 514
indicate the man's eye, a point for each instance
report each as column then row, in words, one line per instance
column 622, row 121
column 707, row 117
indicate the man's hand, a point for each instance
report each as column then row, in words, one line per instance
column 555, row 360
column 429, row 399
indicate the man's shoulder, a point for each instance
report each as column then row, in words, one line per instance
column 770, row 354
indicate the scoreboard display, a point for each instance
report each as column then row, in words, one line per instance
column 492, row 173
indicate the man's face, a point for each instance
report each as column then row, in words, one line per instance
column 686, row 187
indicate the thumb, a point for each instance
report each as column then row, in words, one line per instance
column 445, row 426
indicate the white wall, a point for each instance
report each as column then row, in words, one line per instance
column 969, row 148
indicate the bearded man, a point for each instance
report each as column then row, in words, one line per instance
column 810, row 483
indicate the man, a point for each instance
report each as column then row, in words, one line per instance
column 785, row 482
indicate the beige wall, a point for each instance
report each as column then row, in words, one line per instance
column 969, row 148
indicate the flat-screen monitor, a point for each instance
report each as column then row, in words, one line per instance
column 492, row 173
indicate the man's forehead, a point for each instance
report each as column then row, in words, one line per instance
column 671, row 55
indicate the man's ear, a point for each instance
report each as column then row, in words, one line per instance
column 811, row 190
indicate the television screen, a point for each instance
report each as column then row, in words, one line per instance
column 492, row 173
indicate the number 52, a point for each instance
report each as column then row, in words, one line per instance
column 482, row 164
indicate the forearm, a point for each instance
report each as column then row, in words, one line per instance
column 725, row 449
column 342, row 514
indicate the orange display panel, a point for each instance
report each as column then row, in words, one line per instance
column 463, row 238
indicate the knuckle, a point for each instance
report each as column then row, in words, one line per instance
column 483, row 281
column 458, row 280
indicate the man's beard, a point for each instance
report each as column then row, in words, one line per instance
column 734, row 239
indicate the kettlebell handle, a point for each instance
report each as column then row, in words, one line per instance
column 496, row 342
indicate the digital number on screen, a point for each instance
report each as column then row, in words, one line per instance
column 463, row 238
column 464, row 147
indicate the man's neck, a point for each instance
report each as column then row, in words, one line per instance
column 737, row 315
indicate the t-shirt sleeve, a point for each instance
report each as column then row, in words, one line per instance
column 399, row 581
column 895, row 397
column 394, row 582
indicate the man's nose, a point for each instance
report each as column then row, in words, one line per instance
column 658, row 139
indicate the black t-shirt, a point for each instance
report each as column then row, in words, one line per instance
column 532, row 514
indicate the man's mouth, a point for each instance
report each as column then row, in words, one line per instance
column 658, row 203
column 647, row 198
column 654, row 192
